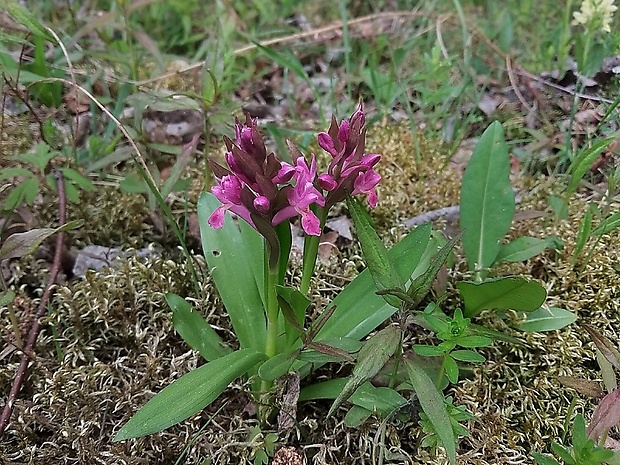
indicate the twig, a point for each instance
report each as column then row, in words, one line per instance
column 426, row 217
column 36, row 326
column 448, row 213
column 566, row 90
column 522, row 72
column 515, row 85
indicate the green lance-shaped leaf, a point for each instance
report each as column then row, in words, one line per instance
column 235, row 257
column 608, row 224
column 422, row 284
column 189, row 394
column 331, row 350
column 357, row 309
column 524, row 247
column 432, row 403
column 585, row 231
column 21, row 244
column 383, row 270
column 293, row 304
column 514, row 292
column 371, row 358
column 23, row 16
column 277, row 365
column 546, row 319
column 487, row 199
column 195, row 330
column 583, row 162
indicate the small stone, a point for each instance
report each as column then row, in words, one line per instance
column 287, row 456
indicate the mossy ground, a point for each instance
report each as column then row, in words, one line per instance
column 108, row 343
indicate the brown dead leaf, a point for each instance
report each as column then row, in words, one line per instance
column 583, row 386
column 288, row 409
column 76, row 102
column 327, row 245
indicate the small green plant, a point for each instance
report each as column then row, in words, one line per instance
column 33, row 171
column 583, row 451
column 263, row 445
column 587, row 447
column 248, row 263
column 487, row 211
column 457, row 415
column 453, row 332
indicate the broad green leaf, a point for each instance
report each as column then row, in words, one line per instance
column 383, row 270
column 523, row 248
column 277, row 365
column 234, row 255
column 514, row 292
column 6, row 298
column 133, row 183
column 371, row 358
column 487, row 199
column 467, row 356
column 608, row 224
column 189, row 394
column 195, row 330
column 474, row 341
column 451, row 369
column 20, row 194
column 356, row 416
column 428, row 351
column 379, row 400
column 582, row 163
column 432, row 403
column 21, row 244
column 358, row 309
column 31, row 189
column 210, row 88
column 546, row 319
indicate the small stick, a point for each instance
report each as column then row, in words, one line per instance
column 36, row 326
column 426, row 217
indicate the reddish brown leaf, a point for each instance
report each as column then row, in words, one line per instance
column 606, row 415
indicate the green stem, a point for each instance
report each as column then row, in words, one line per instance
column 311, row 249
column 271, row 341
column 397, row 359
column 272, row 309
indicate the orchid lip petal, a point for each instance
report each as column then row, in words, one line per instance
column 216, row 220
column 327, row 182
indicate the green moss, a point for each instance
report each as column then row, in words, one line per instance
column 108, row 342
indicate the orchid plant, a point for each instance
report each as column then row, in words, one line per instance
column 248, row 256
